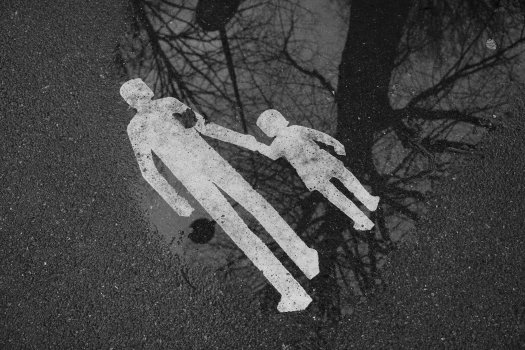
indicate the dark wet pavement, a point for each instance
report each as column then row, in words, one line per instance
column 81, row 268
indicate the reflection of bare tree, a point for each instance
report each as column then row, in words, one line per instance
column 415, row 84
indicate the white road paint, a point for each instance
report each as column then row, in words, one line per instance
column 491, row 44
column 202, row 170
column 315, row 166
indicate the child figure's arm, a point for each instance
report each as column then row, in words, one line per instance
column 267, row 151
column 326, row 139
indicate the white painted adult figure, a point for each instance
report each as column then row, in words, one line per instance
column 201, row 170
column 314, row 165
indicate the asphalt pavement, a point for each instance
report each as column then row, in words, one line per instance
column 81, row 268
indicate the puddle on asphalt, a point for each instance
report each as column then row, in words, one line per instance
column 232, row 75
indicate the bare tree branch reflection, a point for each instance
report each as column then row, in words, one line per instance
column 414, row 89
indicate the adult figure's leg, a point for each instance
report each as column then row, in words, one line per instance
column 293, row 296
column 304, row 257
column 361, row 221
column 353, row 185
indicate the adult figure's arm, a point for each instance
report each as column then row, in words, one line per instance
column 224, row 134
column 213, row 130
column 326, row 139
column 151, row 174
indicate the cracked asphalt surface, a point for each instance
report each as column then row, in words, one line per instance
column 80, row 268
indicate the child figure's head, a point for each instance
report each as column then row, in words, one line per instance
column 136, row 93
column 271, row 121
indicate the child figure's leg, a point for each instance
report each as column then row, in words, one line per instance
column 352, row 183
column 304, row 257
column 361, row 221
column 294, row 297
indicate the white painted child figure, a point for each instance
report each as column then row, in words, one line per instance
column 314, row 165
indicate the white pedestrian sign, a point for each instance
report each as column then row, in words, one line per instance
column 202, row 171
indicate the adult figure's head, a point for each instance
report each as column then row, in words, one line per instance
column 271, row 121
column 136, row 93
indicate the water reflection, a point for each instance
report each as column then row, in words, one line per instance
column 407, row 88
